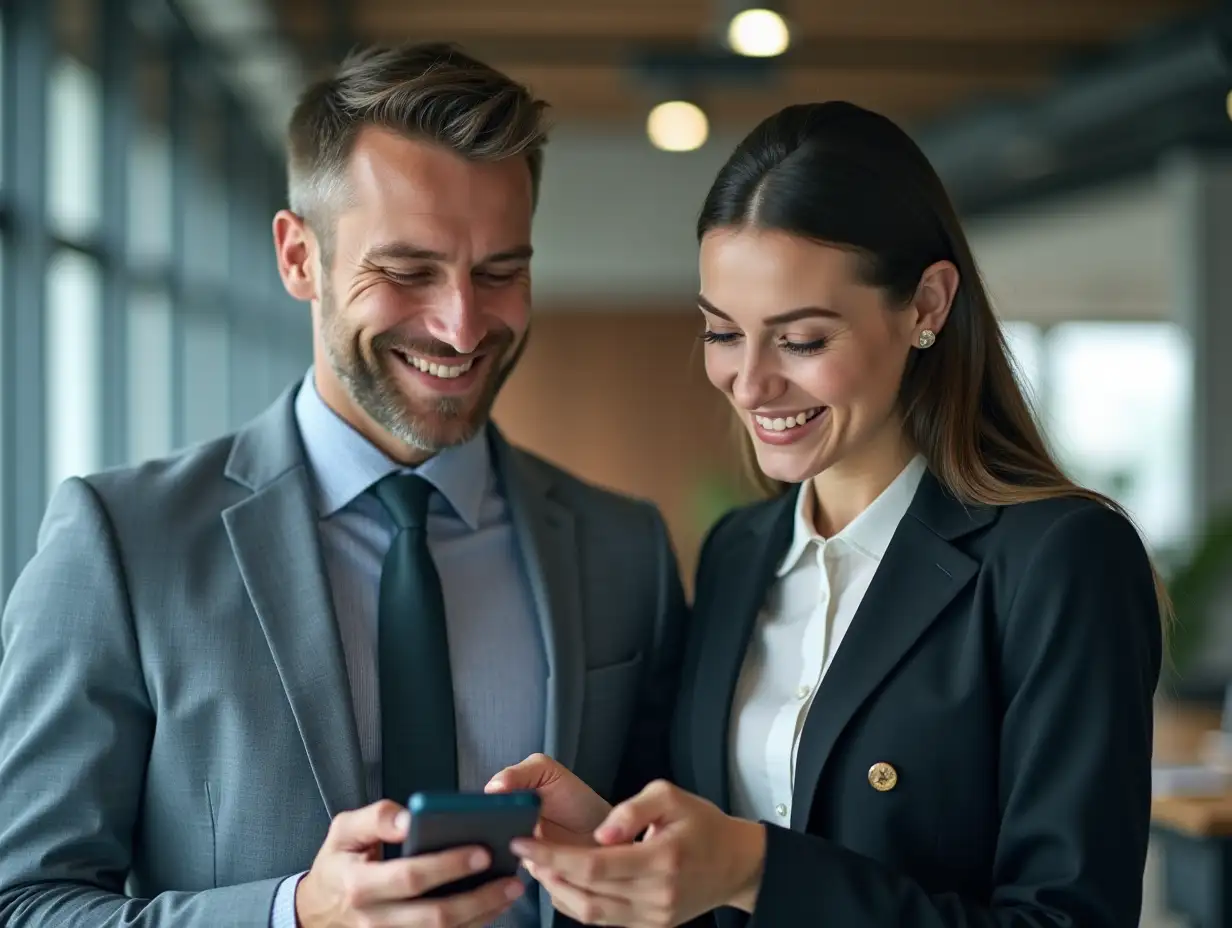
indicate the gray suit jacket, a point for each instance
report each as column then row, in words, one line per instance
column 175, row 726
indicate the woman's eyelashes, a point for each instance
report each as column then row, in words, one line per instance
column 711, row 337
column 809, row 347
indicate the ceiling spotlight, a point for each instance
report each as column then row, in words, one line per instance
column 677, row 125
column 758, row 33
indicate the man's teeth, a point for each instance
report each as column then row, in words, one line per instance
column 444, row 371
column 791, row 422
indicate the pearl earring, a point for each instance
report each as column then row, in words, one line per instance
column 927, row 337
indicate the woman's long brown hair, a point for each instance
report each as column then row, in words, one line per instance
column 839, row 174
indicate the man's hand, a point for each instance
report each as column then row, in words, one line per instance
column 350, row 886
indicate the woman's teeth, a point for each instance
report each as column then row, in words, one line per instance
column 780, row 424
column 444, row 371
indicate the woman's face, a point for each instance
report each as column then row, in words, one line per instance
column 810, row 357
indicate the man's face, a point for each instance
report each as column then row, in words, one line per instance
column 424, row 301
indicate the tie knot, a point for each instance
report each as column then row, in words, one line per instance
column 405, row 498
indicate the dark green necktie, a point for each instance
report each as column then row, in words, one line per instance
column 418, row 742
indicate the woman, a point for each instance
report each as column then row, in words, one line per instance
column 918, row 686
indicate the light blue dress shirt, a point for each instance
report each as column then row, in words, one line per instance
column 496, row 648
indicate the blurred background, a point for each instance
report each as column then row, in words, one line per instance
column 1087, row 144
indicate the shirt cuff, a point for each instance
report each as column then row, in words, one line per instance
column 283, row 913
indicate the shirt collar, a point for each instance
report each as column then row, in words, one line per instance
column 345, row 464
column 871, row 531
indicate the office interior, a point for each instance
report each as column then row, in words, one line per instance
column 1087, row 145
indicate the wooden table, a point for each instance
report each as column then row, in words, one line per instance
column 1197, row 816
column 1194, row 833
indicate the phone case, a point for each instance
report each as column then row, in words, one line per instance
column 440, row 821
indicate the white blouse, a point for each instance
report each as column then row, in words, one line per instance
column 810, row 606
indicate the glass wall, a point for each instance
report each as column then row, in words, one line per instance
column 139, row 303
column 1116, row 403
column 73, row 364
column 150, row 414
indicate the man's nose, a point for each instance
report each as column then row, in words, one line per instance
column 456, row 320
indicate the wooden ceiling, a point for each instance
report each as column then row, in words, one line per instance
column 910, row 59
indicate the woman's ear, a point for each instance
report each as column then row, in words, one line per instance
column 933, row 299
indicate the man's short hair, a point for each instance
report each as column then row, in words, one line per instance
column 431, row 91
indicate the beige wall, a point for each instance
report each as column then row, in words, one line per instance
column 621, row 398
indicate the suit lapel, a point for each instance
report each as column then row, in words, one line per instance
column 919, row 576
column 547, row 542
column 725, row 640
column 274, row 536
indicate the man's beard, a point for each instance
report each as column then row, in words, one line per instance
column 443, row 422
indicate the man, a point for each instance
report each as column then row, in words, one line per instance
column 223, row 673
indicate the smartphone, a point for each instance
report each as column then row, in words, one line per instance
column 445, row 820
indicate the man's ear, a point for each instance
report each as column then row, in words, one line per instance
column 298, row 256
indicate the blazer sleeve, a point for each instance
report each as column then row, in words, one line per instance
column 76, row 725
column 647, row 756
column 1080, row 660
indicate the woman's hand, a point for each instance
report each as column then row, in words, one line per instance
column 692, row 859
column 571, row 810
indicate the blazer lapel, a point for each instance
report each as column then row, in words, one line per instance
column 725, row 641
column 919, row 576
column 547, row 542
column 274, row 536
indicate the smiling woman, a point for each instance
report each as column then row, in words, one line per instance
column 911, row 669
column 800, row 332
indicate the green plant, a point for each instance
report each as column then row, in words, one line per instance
column 715, row 495
column 1193, row 583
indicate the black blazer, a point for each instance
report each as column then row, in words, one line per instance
column 1003, row 663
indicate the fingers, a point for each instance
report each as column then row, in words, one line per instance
column 657, row 803
column 481, row 906
column 532, row 773
column 466, row 910
column 410, row 877
column 597, row 867
column 583, row 906
column 381, row 822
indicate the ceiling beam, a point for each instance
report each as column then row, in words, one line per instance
column 267, row 82
column 341, row 28
column 962, row 20
column 600, row 96
column 606, row 61
column 872, row 54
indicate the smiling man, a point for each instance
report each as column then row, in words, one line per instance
column 224, row 673
column 415, row 252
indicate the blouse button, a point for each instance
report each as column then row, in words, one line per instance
column 781, row 809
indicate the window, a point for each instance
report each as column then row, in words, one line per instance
column 1119, row 414
column 3, row 93
column 6, row 538
column 75, row 149
column 204, row 223
column 149, row 165
column 132, row 347
column 74, row 376
column 149, row 198
column 1024, row 343
column 149, row 375
column 205, row 376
